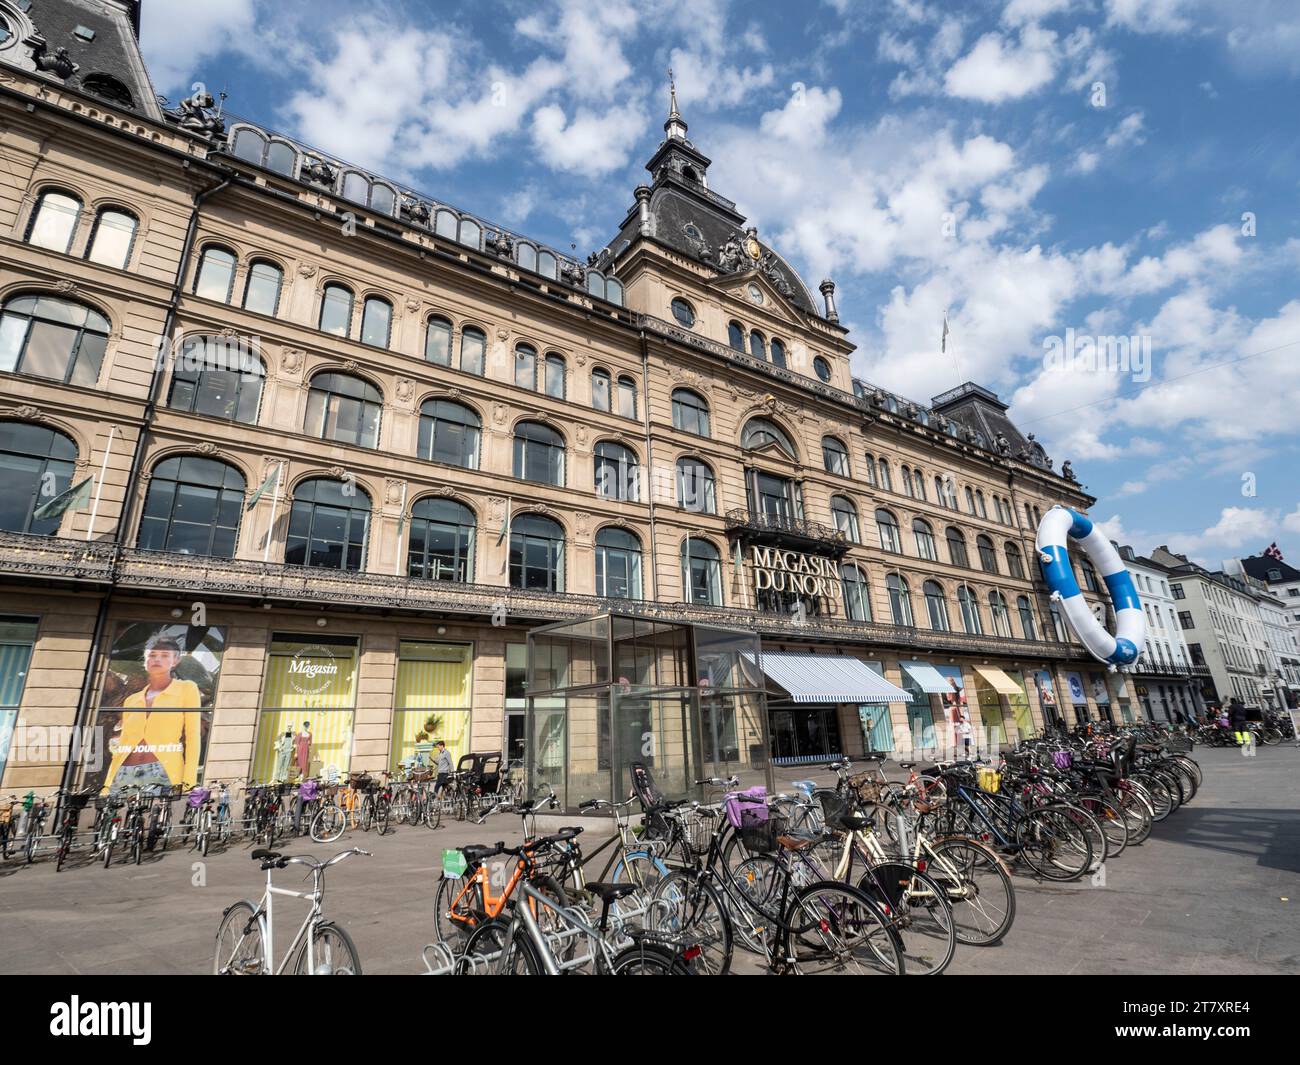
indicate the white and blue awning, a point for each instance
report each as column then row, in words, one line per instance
column 927, row 678
column 809, row 678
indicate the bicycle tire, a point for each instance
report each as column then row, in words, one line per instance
column 979, row 889
column 235, row 925
column 1108, row 815
column 836, row 923
column 328, row 824
column 648, row 959
column 332, row 953
column 65, row 845
column 493, row 938
column 922, row 921
column 445, row 929
column 433, row 812
column 31, row 843
column 1053, row 845
column 383, row 814
column 687, row 905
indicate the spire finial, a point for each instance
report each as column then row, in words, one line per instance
column 672, row 95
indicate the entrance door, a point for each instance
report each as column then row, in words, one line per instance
column 805, row 734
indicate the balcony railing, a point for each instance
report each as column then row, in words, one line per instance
column 786, row 531
column 1169, row 669
column 158, row 572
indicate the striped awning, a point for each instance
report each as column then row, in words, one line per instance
column 827, row 679
column 928, row 679
column 1002, row 684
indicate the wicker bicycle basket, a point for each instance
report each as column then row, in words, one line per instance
column 867, row 786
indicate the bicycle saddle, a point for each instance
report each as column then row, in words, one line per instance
column 476, row 852
column 263, row 854
column 908, row 765
column 609, row 892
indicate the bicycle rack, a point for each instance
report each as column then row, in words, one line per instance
column 443, row 961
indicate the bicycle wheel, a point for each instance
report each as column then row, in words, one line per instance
column 328, row 824
column 383, row 815
column 65, row 845
column 645, row 871
column 240, row 949
column 493, row 950
column 1090, row 827
column 978, row 889
column 834, row 929
column 1053, row 845
column 110, row 838
column 1108, row 816
column 918, row 914
column 685, row 904
column 1137, row 815
column 460, row 806
column 205, row 832
column 137, row 844
column 433, row 812
column 1157, row 795
column 32, row 843
column 328, row 952
column 444, row 928
column 648, row 959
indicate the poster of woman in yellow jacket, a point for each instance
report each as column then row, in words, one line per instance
column 157, row 738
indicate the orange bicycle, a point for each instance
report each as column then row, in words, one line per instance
column 465, row 901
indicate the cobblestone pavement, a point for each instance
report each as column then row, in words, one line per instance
column 1206, row 894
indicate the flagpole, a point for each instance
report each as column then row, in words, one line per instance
column 401, row 520
column 99, row 488
column 275, row 499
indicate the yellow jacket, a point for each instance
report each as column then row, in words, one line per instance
column 173, row 738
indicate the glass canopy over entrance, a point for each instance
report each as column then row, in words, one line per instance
column 686, row 700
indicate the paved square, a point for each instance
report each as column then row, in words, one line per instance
column 1203, row 895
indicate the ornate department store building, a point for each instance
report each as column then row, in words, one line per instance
column 287, row 448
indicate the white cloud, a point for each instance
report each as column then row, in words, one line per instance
column 804, row 118
column 592, row 142
column 1151, row 16
column 177, row 38
column 1020, row 11
column 995, row 69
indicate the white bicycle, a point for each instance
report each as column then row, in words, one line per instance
column 245, row 938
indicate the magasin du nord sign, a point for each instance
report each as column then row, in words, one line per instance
column 792, row 571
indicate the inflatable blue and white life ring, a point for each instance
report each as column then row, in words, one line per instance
column 1061, row 524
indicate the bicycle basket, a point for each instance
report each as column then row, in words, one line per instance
column 762, row 838
column 989, row 780
column 307, row 791
column 867, row 787
column 77, row 800
column 746, row 809
column 1062, row 759
column 698, row 832
column 834, row 807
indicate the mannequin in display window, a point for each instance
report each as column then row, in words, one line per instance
column 302, row 749
column 283, row 751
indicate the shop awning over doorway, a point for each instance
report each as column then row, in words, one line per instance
column 828, row 679
column 1002, row 684
column 929, row 679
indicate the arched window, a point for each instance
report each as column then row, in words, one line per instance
column 449, row 432
column 870, row 470
column 376, row 322
column 970, row 611
column 447, row 224
column 437, row 341
column 618, row 564
column 36, row 467
column 936, row 606
column 1027, row 617
column 1029, row 516
column 918, row 484
column 1089, row 576
column 617, row 472
column 988, row 556
column 970, row 500
column 736, row 335
column 262, row 288
column 54, row 221
column 887, row 526
column 328, row 525
column 554, row 375
column 601, row 389
column 539, row 454
column 683, row 312
column 473, row 350
column 957, row 547
column 441, row 547
column 343, row 408
column 54, row 338
column 979, row 502
column 526, row 366
column 760, row 433
column 845, row 516
column 690, row 412
column 857, row 600
column 701, row 573
column 112, row 238
column 526, row 255
column 835, row 456
column 757, row 345
column 906, row 473
column 778, row 353
column 536, row 553
column 336, row 311
column 218, row 377
column 107, row 87
column 627, row 397
column 900, row 600
column 696, row 490
column 1015, row 562
column 193, row 507
column 883, row 470
column 215, row 278
column 254, row 148
column 1000, row 615
column 925, row 546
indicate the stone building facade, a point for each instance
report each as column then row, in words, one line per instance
column 337, row 447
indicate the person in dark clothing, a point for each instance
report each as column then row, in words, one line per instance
column 1237, row 721
column 441, row 767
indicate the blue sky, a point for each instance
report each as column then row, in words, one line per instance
column 1033, row 169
